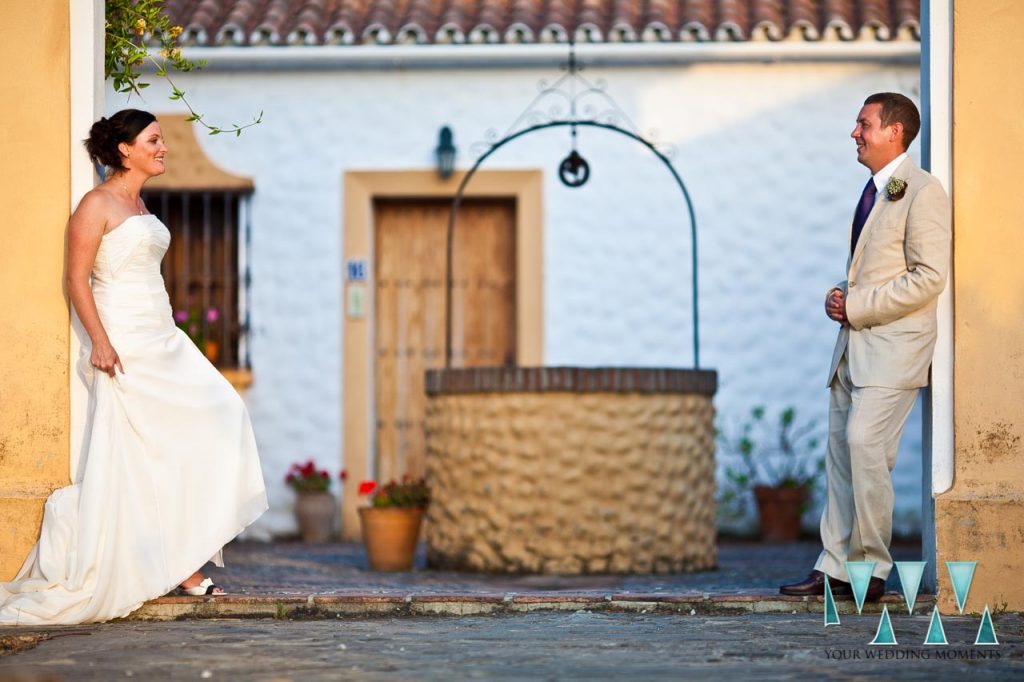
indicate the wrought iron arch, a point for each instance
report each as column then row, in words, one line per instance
column 572, row 123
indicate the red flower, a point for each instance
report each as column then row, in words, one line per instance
column 307, row 477
column 343, row 475
column 367, row 487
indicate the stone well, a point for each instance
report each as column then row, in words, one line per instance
column 571, row 470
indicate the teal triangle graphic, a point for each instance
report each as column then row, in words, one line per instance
column 936, row 633
column 860, row 575
column 831, row 614
column 884, row 636
column 986, row 631
column 910, row 578
column 961, row 574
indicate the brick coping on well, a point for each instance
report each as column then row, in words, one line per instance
column 456, row 381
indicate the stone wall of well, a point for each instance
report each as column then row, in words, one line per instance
column 562, row 470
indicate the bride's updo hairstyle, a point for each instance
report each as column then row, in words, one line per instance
column 107, row 133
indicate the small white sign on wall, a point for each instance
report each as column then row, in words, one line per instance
column 355, row 301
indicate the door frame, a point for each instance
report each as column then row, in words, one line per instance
column 937, row 157
column 361, row 189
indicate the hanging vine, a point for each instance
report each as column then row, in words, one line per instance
column 132, row 27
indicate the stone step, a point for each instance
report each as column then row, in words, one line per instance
column 323, row 606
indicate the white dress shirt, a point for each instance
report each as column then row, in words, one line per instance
column 882, row 177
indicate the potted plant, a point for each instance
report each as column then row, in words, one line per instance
column 391, row 522
column 191, row 321
column 778, row 465
column 315, row 507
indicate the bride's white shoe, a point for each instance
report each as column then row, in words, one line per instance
column 205, row 588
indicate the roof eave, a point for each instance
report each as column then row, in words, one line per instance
column 381, row 57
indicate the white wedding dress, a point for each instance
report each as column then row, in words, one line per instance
column 169, row 472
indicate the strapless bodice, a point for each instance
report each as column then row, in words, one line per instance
column 126, row 281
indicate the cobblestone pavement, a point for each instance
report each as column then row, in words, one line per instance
column 291, row 579
column 324, row 615
column 541, row 646
column 293, row 568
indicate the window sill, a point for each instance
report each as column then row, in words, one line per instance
column 241, row 379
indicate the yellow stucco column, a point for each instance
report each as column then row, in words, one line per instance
column 34, row 333
column 982, row 517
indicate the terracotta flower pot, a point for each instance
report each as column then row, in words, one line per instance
column 212, row 351
column 316, row 513
column 780, row 511
column 390, row 535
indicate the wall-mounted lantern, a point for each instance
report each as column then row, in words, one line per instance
column 445, row 153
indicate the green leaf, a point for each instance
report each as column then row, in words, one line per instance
column 215, row 131
column 125, row 50
column 787, row 416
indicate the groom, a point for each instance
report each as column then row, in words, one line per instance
column 899, row 258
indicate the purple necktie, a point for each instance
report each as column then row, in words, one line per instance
column 867, row 201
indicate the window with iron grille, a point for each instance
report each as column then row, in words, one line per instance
column 205, row 269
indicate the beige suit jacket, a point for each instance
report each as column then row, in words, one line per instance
column 894, row 278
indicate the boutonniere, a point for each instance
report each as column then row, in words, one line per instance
column 896, row 188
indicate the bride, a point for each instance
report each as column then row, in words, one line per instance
column 169, row 472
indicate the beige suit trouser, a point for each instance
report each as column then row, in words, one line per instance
column 864, row 428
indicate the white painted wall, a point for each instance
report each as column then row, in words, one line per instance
column 765, row 152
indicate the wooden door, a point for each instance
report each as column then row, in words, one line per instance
column 409, row 310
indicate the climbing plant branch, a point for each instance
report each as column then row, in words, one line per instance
column 128, row 24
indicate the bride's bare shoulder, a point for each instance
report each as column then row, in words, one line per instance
column 94, row 210
column 99, row 196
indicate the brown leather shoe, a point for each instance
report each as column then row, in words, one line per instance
column 876, row 588
column 814, row 586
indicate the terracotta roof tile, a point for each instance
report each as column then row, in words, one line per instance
column 766, row 20
column 212, row 23
column 698, row 20
column 624, row 15
column 309, row 23
column 733, row 20
column 838, row 18
column 523, row 16
column 907, row 19
column 658, row 21
column 345, row 24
